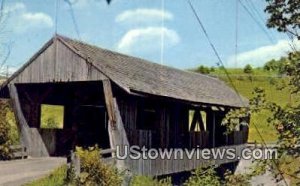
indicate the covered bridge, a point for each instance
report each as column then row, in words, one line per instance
column 112, row 99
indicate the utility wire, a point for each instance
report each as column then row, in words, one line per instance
column 290, row 37
column 230, row 80
column 260, row 17
column 236, row 31
column 257, row 22
column 56, row 17
column 73, row 18
column 162, row 32
column 253, row 7
column 220, row 63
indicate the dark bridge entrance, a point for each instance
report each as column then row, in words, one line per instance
column 84, row 116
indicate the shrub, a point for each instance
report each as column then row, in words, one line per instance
column 94, row 171
column 273, row 81
column 236, row 179
column 5, row 141
column 204, row 176
column 248, row 69
column 208, row 176
column 149, row 181
column 203, row 70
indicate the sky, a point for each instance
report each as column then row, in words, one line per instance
column 138, row 27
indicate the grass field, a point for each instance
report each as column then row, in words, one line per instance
column 56, row 178
column 245, row 86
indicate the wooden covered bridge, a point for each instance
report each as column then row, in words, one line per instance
column 112, row 99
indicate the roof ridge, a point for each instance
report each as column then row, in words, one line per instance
column 138, row 58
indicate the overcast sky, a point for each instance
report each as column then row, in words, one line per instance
column 135, row 27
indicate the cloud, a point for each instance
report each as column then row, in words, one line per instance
column 143, row 15
column 22, row 20
column 147, row 39
column 261, row 55
column 7, row 71
column 38, row 18
column 84, row 4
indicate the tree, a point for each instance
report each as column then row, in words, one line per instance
column 248, row 69
column 276, row 65
column 5, row 141
column 5, row 45
column 203, row 69
column 284, row 16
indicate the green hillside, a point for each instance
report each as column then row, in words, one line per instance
column 245, row 84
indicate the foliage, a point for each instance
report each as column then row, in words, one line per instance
column 5, row 141
column 51, row 123
column 237, row 117
column 149, row 181
column 204, row 176
column 248, row 69
column 286, row 121
column 203, row 69
column 94, row 171
column 284, row 16
column 56, row 178
column 52, row 116
column 233, row 119
column 275, row 65
column 236, row 179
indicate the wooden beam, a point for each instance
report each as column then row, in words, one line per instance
column 109, row 102
column 30, row 137
column 117, row 133
column 197, row 118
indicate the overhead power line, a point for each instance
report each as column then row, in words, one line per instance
column 56, row 17
column 162, row 32
column 73, row 18
column 230, row 80
column 260, row 17
column 253, row 7
column 257, row 22
column 236, row 31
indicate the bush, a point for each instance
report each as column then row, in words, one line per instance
column 273, row 81
column 204, row 176
column 236, row 179
column 248, row 69
column 203, row 70
column 5, row 141
column 208, row 176
column 94, row 171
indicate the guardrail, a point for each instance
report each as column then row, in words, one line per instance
column 19, row 152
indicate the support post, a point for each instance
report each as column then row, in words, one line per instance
column 117, row 133
column 30, row 137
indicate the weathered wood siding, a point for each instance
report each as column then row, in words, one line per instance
column 159, row 166
column 57, row 63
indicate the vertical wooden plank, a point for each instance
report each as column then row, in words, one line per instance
column 109, row 102
column 116, row 129
column 30, row 138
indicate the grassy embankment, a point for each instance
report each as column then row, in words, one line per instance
column 56, row 178
column 245, row 86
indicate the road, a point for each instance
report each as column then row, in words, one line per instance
column 18, row 172
column 266, row 179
